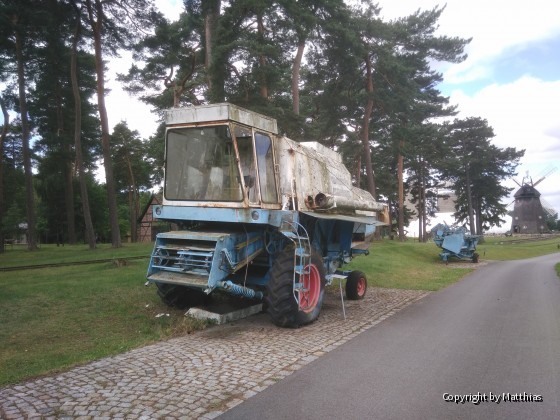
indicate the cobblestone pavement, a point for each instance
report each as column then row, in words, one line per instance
column 203, row 374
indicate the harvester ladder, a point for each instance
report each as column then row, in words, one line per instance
column 302, row 256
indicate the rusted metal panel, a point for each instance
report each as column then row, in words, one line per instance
column 311, row 177
column 310, row 170
column 220, row 112
column 361, row 219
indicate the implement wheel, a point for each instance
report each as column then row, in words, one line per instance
column 283, row 308
column 356, row 285
column 181, row 297
column 475, row 258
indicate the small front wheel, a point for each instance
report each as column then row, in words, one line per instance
column 356, row 285
column 475, row 258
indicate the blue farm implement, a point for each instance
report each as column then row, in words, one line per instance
column 256, row 215
column 456, row 242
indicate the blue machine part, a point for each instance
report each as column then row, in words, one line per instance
column 209, row 259
column 455, row 242
column 236, row 215
column 202, row 260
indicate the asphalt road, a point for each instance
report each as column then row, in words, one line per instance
column 495, row 332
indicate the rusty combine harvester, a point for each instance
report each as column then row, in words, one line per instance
column 258, row 215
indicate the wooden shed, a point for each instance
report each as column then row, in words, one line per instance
column 148, row 227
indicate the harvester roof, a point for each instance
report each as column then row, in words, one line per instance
column 220, row 112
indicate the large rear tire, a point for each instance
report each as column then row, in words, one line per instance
column 356, row 285
column 283, row 308
column 181, row 297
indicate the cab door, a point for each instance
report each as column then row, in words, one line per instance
column 266, row 169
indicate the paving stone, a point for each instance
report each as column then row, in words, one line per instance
column 201, row 374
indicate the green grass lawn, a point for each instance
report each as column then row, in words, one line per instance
column 413, row 265
column 54, row 318
column 17, row 255
column 407, row 265
column 503, row 248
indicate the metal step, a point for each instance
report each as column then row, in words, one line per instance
column 301, row 252
column 300, row 269
column 179, row 278
column 289, row 234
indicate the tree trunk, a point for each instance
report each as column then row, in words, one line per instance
column 107, row 161
column 423, row 202
column 69, row 200
column 420, row 222
column 420, row 212
column 400, row 169
column 29, row 192
column 210, row 20
column 68, row 186
column 90, row 234
column 470, row 201
column 3, row 136
column 295, row 75
column 424, row 214
column 358, row 170
column 208, row 32
column 263, row 82
column 132, row 203
column 67, row 163
column 478, row 208
column 390, row 221
column 365, row 130
column 425, row 221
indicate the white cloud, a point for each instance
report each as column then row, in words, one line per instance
column 493, row 25
column 522, row 112
column 121, row 106
column 524, row 115
column 170, row 8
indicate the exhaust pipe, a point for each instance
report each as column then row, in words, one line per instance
column 329, row 202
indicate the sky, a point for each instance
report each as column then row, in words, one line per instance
column 511, row 77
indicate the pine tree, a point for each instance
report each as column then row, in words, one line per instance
column 20, row 24
column 113, row 24
column 173, row 73
column 132, row 170
column 476, row 167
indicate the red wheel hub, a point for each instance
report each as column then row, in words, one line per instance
column 361, row 286
column 309, row 296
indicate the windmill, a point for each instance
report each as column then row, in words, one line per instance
column 529, row 214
